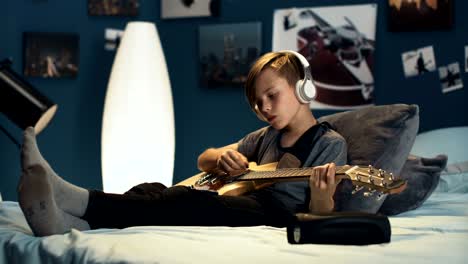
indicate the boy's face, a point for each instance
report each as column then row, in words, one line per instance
column 275, row 98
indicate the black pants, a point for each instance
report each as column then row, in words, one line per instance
column 154, row 204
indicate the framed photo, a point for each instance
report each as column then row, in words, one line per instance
column 113, row 7
column 420, row 15
column 227, row 52
column 339, row 44
column 418, row 62
column 51, row 55
column 189, row 8
column 450, row 78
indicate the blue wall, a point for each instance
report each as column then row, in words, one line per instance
column 204, row 117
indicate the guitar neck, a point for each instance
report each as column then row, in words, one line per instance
column 287, row 173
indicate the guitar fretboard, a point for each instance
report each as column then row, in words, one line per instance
column 286, row 173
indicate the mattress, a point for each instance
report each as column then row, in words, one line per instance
column 437, row 232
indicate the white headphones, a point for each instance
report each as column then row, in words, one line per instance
column 305, row 89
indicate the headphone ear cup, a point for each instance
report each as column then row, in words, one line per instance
column 300, row 92
column 309, row 91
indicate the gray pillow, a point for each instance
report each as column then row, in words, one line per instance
column 381, row 136
column 423, row 176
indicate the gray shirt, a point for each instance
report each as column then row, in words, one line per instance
column 262, row 146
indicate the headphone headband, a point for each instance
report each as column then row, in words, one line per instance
column 303, row 60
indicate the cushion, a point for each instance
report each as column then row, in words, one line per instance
column 454, row 178
column 423, row 176
column 381, row 136
column 443, row 140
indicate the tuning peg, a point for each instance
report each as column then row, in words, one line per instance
column 369, row 193
column 380, row 195
column 381, row 173
column 391, row 176
column 371, row 169
column 357, row 189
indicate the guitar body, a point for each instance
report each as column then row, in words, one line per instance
column 223, row 186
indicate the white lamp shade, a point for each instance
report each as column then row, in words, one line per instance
column 138, row 135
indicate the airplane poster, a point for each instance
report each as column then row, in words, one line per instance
column 339, row 43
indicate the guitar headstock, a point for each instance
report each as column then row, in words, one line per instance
column 374, row 179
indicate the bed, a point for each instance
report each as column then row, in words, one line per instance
column 436, row 232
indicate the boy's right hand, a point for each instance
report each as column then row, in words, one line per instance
column 232, row 162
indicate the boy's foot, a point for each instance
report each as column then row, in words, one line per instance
column 36, row 200
column 67, row 197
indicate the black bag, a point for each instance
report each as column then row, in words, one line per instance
column 344, row 228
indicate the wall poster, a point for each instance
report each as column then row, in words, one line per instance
column 339, row 43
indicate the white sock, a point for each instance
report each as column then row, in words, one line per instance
column 70, row 198
column 38, row 205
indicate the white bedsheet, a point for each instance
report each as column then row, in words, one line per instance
column 437, row 232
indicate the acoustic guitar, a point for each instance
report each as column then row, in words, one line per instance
column 257, row 177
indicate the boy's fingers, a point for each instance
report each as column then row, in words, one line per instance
column 331, row 173
column 237, row 161
column 223, row 165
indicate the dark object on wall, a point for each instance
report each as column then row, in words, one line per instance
column 51, row 55
column 227, row 52
column 187, row 3
column 421, row 15
column 113, row 7
column 21, row 102
column 350, row 228
column 189, row 8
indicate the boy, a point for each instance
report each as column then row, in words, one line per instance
column 52, row 205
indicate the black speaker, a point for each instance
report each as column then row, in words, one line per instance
column 345, row 228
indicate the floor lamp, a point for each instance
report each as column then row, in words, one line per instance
column 138, row 134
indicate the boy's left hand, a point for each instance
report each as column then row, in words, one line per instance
column 322, row 185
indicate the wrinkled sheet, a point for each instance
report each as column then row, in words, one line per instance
column 437, row 232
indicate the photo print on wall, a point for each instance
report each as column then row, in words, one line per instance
column 112, row 37
column 113, row 7
column 466, row 58
column 339, row 43
column 50, row 55
column 420, row 15
column 418, row 62
column 189, row 8
column 450, row 78
column 227, row 52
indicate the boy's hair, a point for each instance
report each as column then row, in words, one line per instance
column 286, row 65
